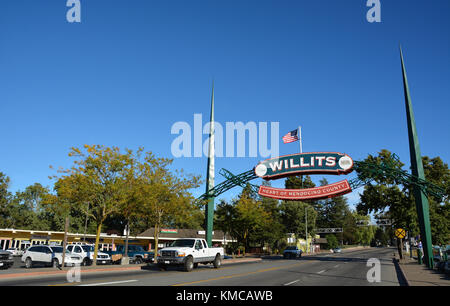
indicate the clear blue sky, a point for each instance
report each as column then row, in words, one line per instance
column 131, row 69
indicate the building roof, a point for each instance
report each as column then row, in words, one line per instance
column 170, row 234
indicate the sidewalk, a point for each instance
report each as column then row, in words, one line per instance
column 420, row 275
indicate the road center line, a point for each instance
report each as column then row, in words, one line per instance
column 321, row 271
column 110, row 283
column 238, row 275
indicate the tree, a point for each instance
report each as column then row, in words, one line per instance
column 385, row 196
column 293, row 213
column 273, row 231
column 163, row 196
column 437, row 172
column 397, row 202
column 5, row 200
column 250, row 217
column 97, row 178
column 332, row 241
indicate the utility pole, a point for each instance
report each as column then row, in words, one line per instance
column 306, row 228
column 66, row 228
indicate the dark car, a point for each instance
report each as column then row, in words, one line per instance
column 6, row 260
column 136, row 253
column 292, row 252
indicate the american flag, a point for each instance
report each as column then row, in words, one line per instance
column 290, row 137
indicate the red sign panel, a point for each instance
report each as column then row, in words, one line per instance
column 321, row 192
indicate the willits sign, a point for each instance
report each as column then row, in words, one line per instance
column 304, row 163
column 301, row 164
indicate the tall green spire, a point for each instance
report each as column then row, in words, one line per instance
column 421, row 200
column 209, row 211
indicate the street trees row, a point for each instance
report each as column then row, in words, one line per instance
column 107, row 186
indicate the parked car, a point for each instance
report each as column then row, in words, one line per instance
column 49, row 256
column 15, row 251
column 87, row 254
column 6, row 259
column 337, row 250
column 136, row 253
column 188, row 253
column 292, row 252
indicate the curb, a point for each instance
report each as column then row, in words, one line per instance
column 240, row 260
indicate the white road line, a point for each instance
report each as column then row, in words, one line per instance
column 110, row 283
column 321, row 271
column 291, row 283
column 336, row 266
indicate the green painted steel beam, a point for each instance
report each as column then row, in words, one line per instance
column 421, row 200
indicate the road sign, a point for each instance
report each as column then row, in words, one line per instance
column 328, row 230
column 385, row 222
column 400, row 233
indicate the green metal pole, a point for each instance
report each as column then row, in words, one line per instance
column 209, row 211
column 421, row 200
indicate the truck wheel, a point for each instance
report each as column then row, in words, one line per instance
column 28, row 263
column 217, row 261
column 138, row 260
column 189, row 264
column 86, row 262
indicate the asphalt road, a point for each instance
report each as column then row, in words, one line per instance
column 345, row 269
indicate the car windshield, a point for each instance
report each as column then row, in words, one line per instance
column 136, row 248
column 88, row 248
column 183, row 243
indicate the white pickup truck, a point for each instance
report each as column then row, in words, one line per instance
column 189, row 252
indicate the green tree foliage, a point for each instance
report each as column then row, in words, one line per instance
column 273, row 232
column 293, row 213
column 5, row 200
column 437, row 172
column 163, row 196
column 397, row 202
column 246, row 219
column 97, row 178
column 332, row 241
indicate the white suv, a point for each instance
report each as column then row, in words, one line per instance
column 49, row 256
column 87, row 254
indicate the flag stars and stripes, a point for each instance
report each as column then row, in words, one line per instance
column 291, row 136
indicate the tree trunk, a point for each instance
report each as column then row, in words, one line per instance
column 127, row 229
column 97, row 240
column 156, row 242
column 66, row 228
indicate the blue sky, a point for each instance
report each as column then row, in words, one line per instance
column 131, row 69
